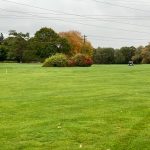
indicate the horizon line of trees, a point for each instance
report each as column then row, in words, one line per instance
column 20, row 47
column 139, row 55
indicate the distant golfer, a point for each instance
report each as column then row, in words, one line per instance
column 130, row 63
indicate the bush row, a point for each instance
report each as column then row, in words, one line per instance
column 61, row 60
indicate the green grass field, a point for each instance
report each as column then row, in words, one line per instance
column 104, row 107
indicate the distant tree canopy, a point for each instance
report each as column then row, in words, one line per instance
column 128, row 53
column 46, row 35
column 103, row 55
column 146, row 54
column 16, row 45
column 120, row 56
column 138, row 58
column 46, row 42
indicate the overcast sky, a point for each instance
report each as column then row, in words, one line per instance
column 107, row 23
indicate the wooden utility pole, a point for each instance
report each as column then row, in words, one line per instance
column 85, row 39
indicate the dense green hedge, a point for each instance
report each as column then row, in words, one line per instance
column 61, row 60
column 58, row 60
column 81, row 60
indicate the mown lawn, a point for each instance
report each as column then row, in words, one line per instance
column 104, row 107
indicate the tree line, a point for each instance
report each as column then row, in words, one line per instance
column 20, row 47
column 123, row 55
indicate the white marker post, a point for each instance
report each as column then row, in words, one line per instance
column 6, row 71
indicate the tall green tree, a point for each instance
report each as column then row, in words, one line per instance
column 3, row 50
column 47, row 42
column 16, row 44
column 3, row 53
column 1, row 38
column 103, row 56
column 128, row 53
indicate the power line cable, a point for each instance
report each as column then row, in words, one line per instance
column 122, row 6
column 76, row 15
column 117, row 38
column 72, row 14
column 23, row 4
column 110, row 17
column 102, row 19
column 85, row 24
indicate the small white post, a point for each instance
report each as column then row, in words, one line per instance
column 6, row 71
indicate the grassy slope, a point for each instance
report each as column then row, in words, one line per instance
column 97, row 108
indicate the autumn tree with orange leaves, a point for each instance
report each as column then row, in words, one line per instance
column 77, row 43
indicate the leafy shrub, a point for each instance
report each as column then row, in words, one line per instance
column 58, row 60
column 71, row 63
column 82, row 60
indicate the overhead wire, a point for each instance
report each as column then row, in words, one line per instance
column 122, row 6
column 77, row 15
